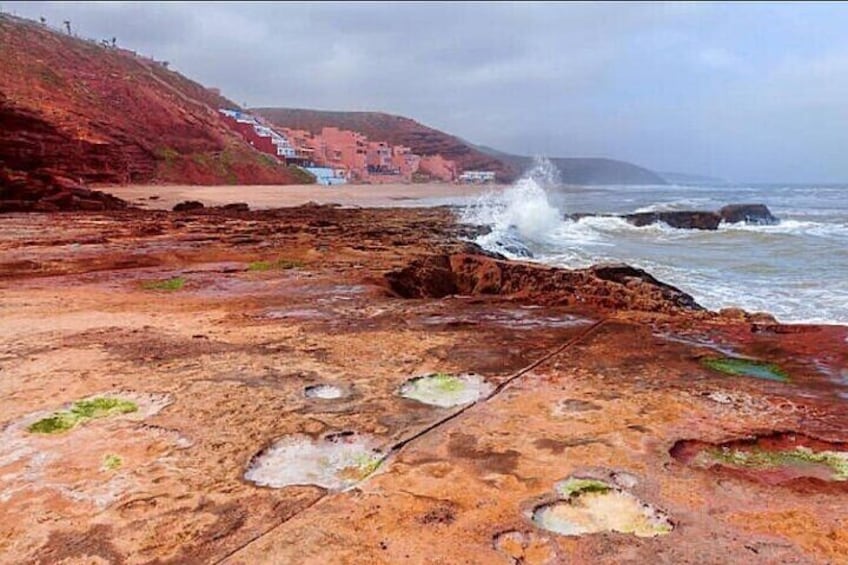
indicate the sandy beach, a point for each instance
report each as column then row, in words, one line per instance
column 277, row 196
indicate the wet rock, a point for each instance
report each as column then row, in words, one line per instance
column 188, row 206
column 605, row 286
column 515, row 249
column 689, row 220
column 695, row 219
column 778, row 458
column 236, row 207
column 749, row 213
column 631, row 276
column 743, row 316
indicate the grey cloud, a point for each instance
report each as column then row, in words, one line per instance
column 708, row 88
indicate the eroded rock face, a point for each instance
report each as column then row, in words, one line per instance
column 604, row 286
column 748, row 213
column 779, row 458
column 47, row 191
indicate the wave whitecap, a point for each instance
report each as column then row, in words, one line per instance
column 797, row 269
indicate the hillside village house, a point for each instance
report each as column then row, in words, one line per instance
column 259, row 135
column 477, row 177
column 335, row 156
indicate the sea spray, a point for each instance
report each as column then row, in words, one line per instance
column 522, row 213
column 796, row 270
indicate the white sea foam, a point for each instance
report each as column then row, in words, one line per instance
column 793, row 227
column 681, row 204
column 520, row 214
column 796, row 270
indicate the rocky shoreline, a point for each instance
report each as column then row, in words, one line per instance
column 227, row 385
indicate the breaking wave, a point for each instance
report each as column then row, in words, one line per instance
column 519, row 215
column 797, row 269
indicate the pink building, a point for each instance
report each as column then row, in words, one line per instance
column 438, row 167
column 365, row 161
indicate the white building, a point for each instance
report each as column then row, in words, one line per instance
column 477, row 176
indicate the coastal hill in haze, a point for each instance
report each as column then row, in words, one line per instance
column 93, row 112
column 584, row 170
column 425, row 140
column 685, row 179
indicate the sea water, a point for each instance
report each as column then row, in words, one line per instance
column 796, row 270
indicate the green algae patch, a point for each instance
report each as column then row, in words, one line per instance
column 590, row 506
column 112, row 462
column 447, row 383
column 166, row 285
column 82, row 411
column 836, row 462
column 278, row 265
column 576, row 486
column 746, row 368
column 444, row 390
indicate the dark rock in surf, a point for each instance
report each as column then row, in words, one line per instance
column 696, row 219
column 682, row 220
column 188, row 206
column 749, row 213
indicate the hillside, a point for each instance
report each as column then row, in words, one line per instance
column 686, row 179
column 584, row 170
column 396, row 130
column 75, row 109
column 427, row 141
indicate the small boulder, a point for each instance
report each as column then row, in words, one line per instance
column 237, row 207
column 188, row 206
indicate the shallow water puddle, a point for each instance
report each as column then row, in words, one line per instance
column 523, row 319
column 296, row 314
column 443, row 390
column 589, row 506
column 336, row 461
column 746, row 368
column 324, row 392
column 774, row 459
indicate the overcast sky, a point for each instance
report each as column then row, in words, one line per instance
column 747, row 92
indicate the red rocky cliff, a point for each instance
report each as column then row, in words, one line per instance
column 88, row 113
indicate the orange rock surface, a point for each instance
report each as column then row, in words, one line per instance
column 215, row 322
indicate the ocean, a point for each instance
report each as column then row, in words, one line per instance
column 796, row 270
